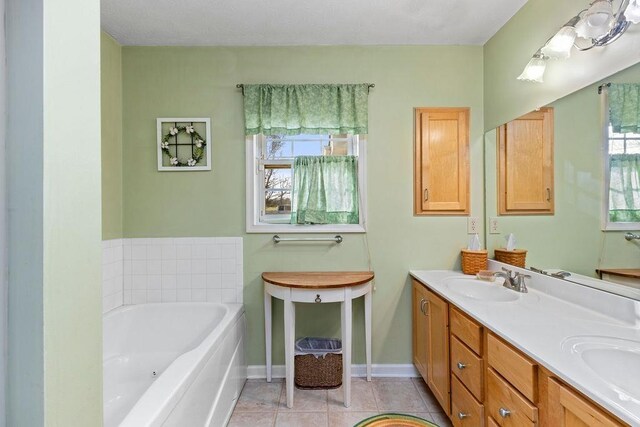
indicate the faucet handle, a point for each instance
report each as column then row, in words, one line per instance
column 506, row 270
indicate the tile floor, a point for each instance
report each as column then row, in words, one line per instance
column 263, row 404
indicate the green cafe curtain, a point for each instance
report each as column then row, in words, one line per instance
column 624, row 107
column 306, row 109
column 325, row 190
column 624, row 188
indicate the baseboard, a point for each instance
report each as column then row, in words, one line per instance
column 377, row 370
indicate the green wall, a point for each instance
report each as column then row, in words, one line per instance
column 571, row 239
column 111, row 90
column 200, row 82
column 509, row 50
column 71, row 220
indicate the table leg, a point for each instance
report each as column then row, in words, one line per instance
column 267, row 332
column 289, row 343
column 346, row 324
column 367, row 329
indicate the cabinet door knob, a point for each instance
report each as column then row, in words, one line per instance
column 548, row 194
column 461, row 365
column 426, row 194
column 504, row 413
column 462, row 415
column 318, row 299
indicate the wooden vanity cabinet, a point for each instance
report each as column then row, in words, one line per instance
column 481, row 380
column 525, row 165
column 467, row 370
column 441, row 161
column 569, row 409
column 431, row 342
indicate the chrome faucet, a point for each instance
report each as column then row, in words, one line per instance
column 515, row 282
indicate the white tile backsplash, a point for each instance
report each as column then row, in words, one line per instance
column 112, row 274
column 137, row 271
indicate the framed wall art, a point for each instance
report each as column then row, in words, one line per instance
column 184, row 144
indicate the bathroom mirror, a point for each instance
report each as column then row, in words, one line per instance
column 570, row 236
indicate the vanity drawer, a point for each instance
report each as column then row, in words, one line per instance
column 468, row 331
column 513, row 366
column 506, row 405
column 465, row 409
column 467, row 367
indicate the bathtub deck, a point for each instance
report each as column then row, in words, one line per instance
column 264, row 404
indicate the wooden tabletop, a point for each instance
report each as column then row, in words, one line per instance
column 318, row 279
column 624, row 272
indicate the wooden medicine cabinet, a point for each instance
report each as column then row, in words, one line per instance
column 441, row 161
column 525, row 165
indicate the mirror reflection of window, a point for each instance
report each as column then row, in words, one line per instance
column 623, row 159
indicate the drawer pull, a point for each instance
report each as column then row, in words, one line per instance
column 461, row 365
column 504, row 413
column 318, row 299
column 462, row 415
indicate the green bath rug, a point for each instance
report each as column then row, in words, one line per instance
column 395, row 420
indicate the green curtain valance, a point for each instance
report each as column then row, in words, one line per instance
column 325, row 190
column 624, row 107
column 306, row 109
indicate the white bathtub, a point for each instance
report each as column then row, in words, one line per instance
column 175, row 364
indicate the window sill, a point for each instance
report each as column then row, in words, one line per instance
column 621, row 226
column 290, row 228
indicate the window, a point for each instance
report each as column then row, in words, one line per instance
column 270, row 180
column 622, row 159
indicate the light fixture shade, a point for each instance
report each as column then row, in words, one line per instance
column 596, row 21
column 534, row 71
column 559, row 47
column 633, row 12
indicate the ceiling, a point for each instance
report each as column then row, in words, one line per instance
column 305, row 22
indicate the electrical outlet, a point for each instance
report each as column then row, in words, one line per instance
column 493, row 225
column 473, row 225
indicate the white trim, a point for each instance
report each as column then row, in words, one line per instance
column 378, row 370
column 252, row 192
column 208, row 147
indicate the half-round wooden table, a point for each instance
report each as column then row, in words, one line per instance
column 318, row 288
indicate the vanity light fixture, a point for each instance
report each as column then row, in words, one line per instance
column 596, row 26
column 632, row 13
column 534, row 71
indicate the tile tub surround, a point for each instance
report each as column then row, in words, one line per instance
column 112, row 274
column 540, row 321
column 200, row 269
column 264, row 404
column 183, row 270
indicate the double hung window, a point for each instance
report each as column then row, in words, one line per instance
column 306, row 183
column 306, row 165
column 622, row 157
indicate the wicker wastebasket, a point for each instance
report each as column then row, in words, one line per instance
column 473, row 261
column 515, row 257
column 318, row 363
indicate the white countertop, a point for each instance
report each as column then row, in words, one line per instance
column 539, row 322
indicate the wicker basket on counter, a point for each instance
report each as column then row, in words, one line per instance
column 473, row 261
column 515, row 257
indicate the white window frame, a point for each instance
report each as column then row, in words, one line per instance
column 607, row 225
column 255, row 191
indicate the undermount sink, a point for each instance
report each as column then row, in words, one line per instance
column 615, row 361
column 480, row 289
